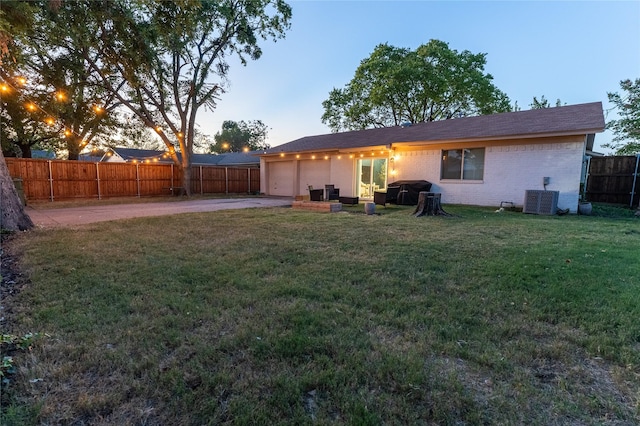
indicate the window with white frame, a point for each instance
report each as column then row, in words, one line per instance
column 462, row 164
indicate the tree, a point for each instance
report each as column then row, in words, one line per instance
column 15, row 18
column 240, row 136
column 626, row 129
column 23, row 124
column 543, row 103
column 159, row 58
column 395, row 85
column 12, row 214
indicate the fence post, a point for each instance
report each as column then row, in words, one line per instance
column 50, row 181
column 635, row 178
column 138, row 178
column 201, row 187
column 248, row 180
column 226, row 180
column 98, row 179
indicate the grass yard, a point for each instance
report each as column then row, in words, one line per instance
column 276, row 316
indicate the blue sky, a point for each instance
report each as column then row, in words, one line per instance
column 575, row 51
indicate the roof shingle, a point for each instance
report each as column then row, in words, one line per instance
column 572, row 119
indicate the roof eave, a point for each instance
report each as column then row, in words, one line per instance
column 500, row 138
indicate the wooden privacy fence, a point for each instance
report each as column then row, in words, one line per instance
column 60, row 179
column 614, row 180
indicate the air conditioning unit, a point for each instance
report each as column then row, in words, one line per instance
column 540, row 202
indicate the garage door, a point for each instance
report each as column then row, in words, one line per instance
column 315, row 173
column 281, row 178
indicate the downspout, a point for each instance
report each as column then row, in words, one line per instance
column 586, row 178
column 635, row 178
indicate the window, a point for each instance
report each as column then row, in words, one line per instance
column 462, row 164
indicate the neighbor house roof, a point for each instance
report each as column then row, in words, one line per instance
column 228, row 159
column 565, row 120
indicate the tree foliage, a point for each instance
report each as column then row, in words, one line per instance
column 626, row 129
column 543, row 103
column 395, row 85
column 16, row 17
column 240, row 136
column 164, row 61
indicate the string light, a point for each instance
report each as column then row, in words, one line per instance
column 32, row 106
column 60, row 95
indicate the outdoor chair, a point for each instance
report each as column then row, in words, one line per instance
column 331, row 192
column 388, row 196
column 316, row 194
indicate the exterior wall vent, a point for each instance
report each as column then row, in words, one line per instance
column 540, row 202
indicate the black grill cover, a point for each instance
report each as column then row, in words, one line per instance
column 410, row 190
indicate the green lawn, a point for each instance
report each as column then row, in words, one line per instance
column 277, row 316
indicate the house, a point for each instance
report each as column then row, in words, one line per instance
column 43, row 154
column 484, row 160
column 133, row 155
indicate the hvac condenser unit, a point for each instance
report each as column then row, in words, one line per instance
column 540, row 202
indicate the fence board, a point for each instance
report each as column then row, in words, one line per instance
column 77, row 179
column 611, row 180
column 155, row 179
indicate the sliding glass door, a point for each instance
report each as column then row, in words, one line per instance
column 371, row 175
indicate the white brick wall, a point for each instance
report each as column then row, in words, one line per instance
column 509, row 171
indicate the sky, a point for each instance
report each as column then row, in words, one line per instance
column 575, row 51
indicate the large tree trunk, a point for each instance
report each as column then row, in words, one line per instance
column 429, row 205
column 12, row 215
column 26, row 151
column 73, row 146
column 186, row 180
